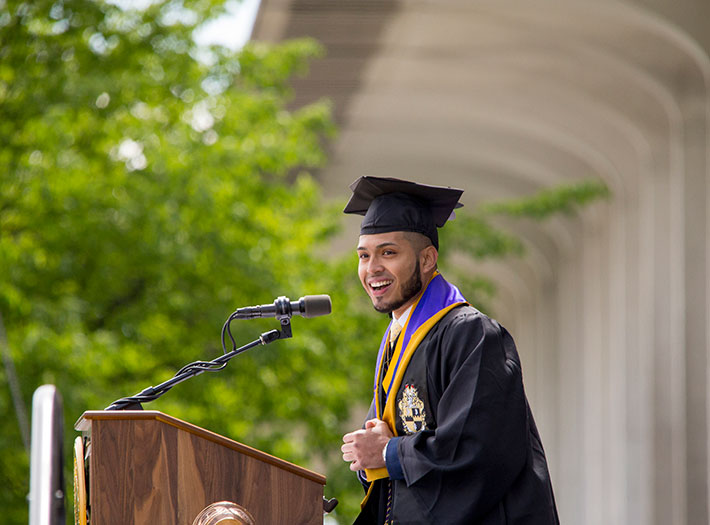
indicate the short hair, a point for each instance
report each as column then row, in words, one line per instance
column 419, row 241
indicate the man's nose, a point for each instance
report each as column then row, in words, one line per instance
column 374, row 265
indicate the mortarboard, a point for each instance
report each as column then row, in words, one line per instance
column 399, row 205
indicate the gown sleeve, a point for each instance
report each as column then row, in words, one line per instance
column 462, row 469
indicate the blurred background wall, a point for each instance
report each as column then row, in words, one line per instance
column 609, row 308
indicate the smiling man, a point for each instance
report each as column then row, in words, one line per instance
column 449, row 438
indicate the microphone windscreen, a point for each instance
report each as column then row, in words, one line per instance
column 315, row 305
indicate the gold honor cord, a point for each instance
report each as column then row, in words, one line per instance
column 389, row 414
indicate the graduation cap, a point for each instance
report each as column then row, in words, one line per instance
column 399, row 205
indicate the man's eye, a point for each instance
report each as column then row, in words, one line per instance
column 389, row 252
column 362, row 255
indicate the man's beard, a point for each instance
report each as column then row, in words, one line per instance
column 409, row 290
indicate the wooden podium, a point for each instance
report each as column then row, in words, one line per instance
column 149, row 468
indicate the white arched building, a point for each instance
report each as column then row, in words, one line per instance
column 609, row 308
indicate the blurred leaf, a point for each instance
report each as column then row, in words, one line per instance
column 566, row 198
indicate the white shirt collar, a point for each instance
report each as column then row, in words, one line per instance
column 403, row 318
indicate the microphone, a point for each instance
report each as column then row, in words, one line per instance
column 307, row 306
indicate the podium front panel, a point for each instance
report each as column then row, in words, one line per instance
column 149, row 470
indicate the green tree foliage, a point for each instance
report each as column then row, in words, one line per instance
column 144, row 195
column 566, row 198
column 147, row 188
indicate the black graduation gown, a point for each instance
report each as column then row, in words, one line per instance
column 469, row 450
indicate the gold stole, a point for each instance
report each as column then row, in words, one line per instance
column 389, row 414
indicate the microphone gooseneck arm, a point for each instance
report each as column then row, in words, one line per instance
column 193, row 369
column 283, row 312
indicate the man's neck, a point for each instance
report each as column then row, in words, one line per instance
column 399, row 312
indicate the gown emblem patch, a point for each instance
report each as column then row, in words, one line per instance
column 411, row 410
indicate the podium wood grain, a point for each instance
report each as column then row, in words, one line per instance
column 149, row 468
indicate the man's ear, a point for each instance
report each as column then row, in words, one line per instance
column 428, row 258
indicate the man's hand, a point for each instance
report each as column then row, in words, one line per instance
column 363, row 448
